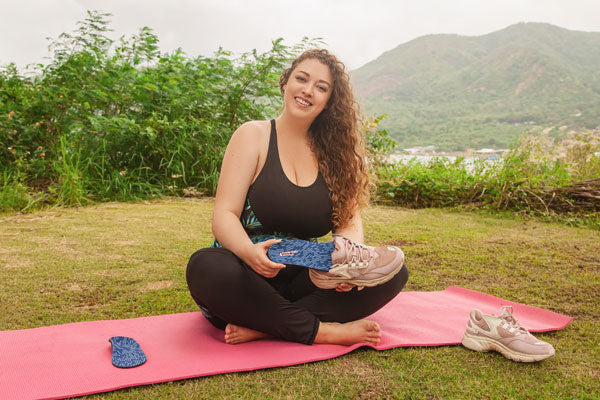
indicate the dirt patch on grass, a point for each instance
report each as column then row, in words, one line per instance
column 86, row 307
column 125, row 243
column 74, row 287
column 398, row 243
column 18, row 218
column 107, row 272
column 151, row 286
column 363, row 375
column 92, row 296
column 15, row 264
column 70, row 250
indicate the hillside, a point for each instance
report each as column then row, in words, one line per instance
column 460, row 92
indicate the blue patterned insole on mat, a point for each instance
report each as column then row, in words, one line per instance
column 304, row 253
column 126, row 352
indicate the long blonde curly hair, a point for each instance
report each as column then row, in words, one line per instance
column 336, row 138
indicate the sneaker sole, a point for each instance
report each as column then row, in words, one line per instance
column 484, row 345
column 303, row 253
column 331, row 282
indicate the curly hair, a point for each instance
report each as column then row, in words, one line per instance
column 336, row 138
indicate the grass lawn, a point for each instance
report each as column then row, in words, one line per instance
column 122, row 260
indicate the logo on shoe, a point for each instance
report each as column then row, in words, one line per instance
column 288, row 253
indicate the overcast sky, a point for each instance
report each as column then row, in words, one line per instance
column 356, row 31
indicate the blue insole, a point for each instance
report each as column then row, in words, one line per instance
column 304, row 253
column 126, row 352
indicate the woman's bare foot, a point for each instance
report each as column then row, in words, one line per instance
column 361, row 331
column 235, row 334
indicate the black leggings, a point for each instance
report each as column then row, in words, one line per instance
column 288, row 306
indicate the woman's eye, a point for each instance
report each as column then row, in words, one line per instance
column 301, row 78
column 322, row 88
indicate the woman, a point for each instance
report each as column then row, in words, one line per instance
column 298, row 176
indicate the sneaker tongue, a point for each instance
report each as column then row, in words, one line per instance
column 339, row 254
column 342, row 254
column 507, row 316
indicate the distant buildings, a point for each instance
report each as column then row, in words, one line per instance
column 490, row 153
column 431, row 151
column 420, row 149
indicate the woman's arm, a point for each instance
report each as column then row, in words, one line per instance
column 353, row 230
column 237, row 171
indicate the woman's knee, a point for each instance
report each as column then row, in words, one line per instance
column 197, row 262
column 208, row 268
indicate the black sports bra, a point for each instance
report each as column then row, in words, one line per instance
column 276, row 207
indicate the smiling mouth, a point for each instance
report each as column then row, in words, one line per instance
column 302, row 101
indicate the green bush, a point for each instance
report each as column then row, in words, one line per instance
column 539, row 175
column 119, row 121
column 15, row 195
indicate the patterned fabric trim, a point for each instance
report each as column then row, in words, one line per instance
column 255, row 229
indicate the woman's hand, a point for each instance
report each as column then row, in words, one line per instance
column 256, row 257
column 346, row 287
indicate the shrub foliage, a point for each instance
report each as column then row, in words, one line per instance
column 539, row 176
column 117, row 120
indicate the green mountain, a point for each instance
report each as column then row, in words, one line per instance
column 460, row 92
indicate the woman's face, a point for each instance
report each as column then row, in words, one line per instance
column 308, row 89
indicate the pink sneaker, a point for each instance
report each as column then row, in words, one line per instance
column 359, row 265
column 505, row 335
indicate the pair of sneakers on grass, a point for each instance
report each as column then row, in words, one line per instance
column 343, row 261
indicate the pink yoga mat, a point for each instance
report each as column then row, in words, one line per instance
column 70, row 360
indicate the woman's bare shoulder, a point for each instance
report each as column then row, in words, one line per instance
column 253, row 129
column 251, row 135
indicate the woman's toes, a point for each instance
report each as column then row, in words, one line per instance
column 373, row 326
column 374, row 334
column 231, row 332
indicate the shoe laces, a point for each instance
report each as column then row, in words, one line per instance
column 509, row 321
column 357, row 255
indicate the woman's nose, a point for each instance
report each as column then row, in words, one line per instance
column 308, row 89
